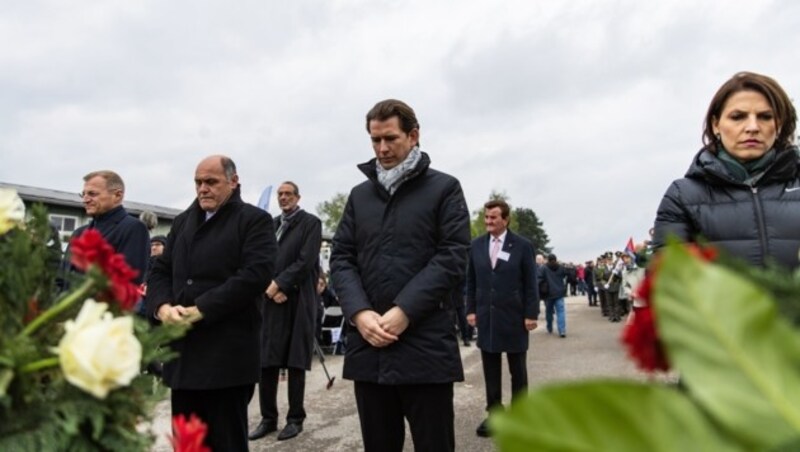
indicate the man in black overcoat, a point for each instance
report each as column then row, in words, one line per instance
column 289, row 314
column 398, row 253
column 218, row 261
column 503, row 301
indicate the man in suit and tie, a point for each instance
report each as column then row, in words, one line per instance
column 503, row 301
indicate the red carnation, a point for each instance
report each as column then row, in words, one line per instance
column 91, row 248
column 641, row 339
column 188, row 435
column 644, row 291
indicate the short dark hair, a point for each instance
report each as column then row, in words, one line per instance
column 294, row 186
column 505, row 211
column 228, row 166
column 779, row 101
column 389, row 108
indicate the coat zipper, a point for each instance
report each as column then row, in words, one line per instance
column 762, row 227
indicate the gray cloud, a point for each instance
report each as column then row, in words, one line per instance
column 583, row 111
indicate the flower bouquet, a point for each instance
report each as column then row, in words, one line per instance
column 71, row 361
column 730, row 334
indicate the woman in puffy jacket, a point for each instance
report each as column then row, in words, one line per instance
column 742, row 191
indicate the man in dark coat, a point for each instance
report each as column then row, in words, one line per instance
column 289, row 314
column 103, row 194
column 555, row 277
column 503, row 301
column 588, row 279
column 398, row 253
column 218, row 261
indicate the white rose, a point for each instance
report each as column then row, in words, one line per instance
column 99, row 352
column 12, row 210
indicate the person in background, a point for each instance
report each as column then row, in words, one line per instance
column 588, row 280
column 503, row 302
column 460, row 302
column 289, row 315
column 556, row 277
column 150, row 220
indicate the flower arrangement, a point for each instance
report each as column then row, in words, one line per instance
column 71, row 361
column 727, row 330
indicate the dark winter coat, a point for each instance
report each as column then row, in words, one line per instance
column 753, row 223
column 588, row 276
column 126, row 234
column 408, row 250
column 504, row 296
column 223, row 266
column 555, row 275
column 287, row 333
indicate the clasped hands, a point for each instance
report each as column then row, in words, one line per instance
column 178, row 314
column 274, row 293
column 381, row 330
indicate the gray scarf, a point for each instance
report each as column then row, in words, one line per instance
column 286, row 221
column 391, row 179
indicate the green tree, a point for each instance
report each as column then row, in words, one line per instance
column 330, row 212
column 531, row 227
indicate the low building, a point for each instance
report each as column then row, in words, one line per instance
column 66, row 212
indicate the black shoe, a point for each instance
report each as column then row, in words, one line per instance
column 466, row 343
column 263, row 429
column 483, row 429
column 563, row 335
column 290, row 431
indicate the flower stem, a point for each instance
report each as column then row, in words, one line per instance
column 62, row 305
column 39, row 365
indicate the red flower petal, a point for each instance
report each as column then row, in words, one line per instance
column 92, row 249
column 188, row 436
column 644, row 346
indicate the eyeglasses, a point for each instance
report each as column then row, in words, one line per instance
column 92, row 194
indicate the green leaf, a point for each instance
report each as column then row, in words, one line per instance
column 736, row 356
column 606, row 415
column 6, row 375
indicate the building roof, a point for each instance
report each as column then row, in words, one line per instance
column 69, row 199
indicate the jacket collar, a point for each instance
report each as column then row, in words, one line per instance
column 114, row 215
column 706, row 165
column 368, row 168
column 199, row 214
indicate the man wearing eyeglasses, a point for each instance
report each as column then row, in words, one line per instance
column 102, row 196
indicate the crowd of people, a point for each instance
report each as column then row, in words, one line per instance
column 403, row 264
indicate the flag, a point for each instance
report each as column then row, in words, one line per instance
column 263, row 201
column 630, row 250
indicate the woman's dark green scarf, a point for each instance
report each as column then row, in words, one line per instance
column 749, row 171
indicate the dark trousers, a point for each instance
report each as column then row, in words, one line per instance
column 493, row 375
column 268, row 394
column 223, row 410
column 428, row 408
column 603, row 294
column 614, row 308
column 591, row 292
column 463, row 326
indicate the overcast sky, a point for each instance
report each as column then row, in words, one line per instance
column 583, row 111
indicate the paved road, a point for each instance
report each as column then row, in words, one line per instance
column 591, row 349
